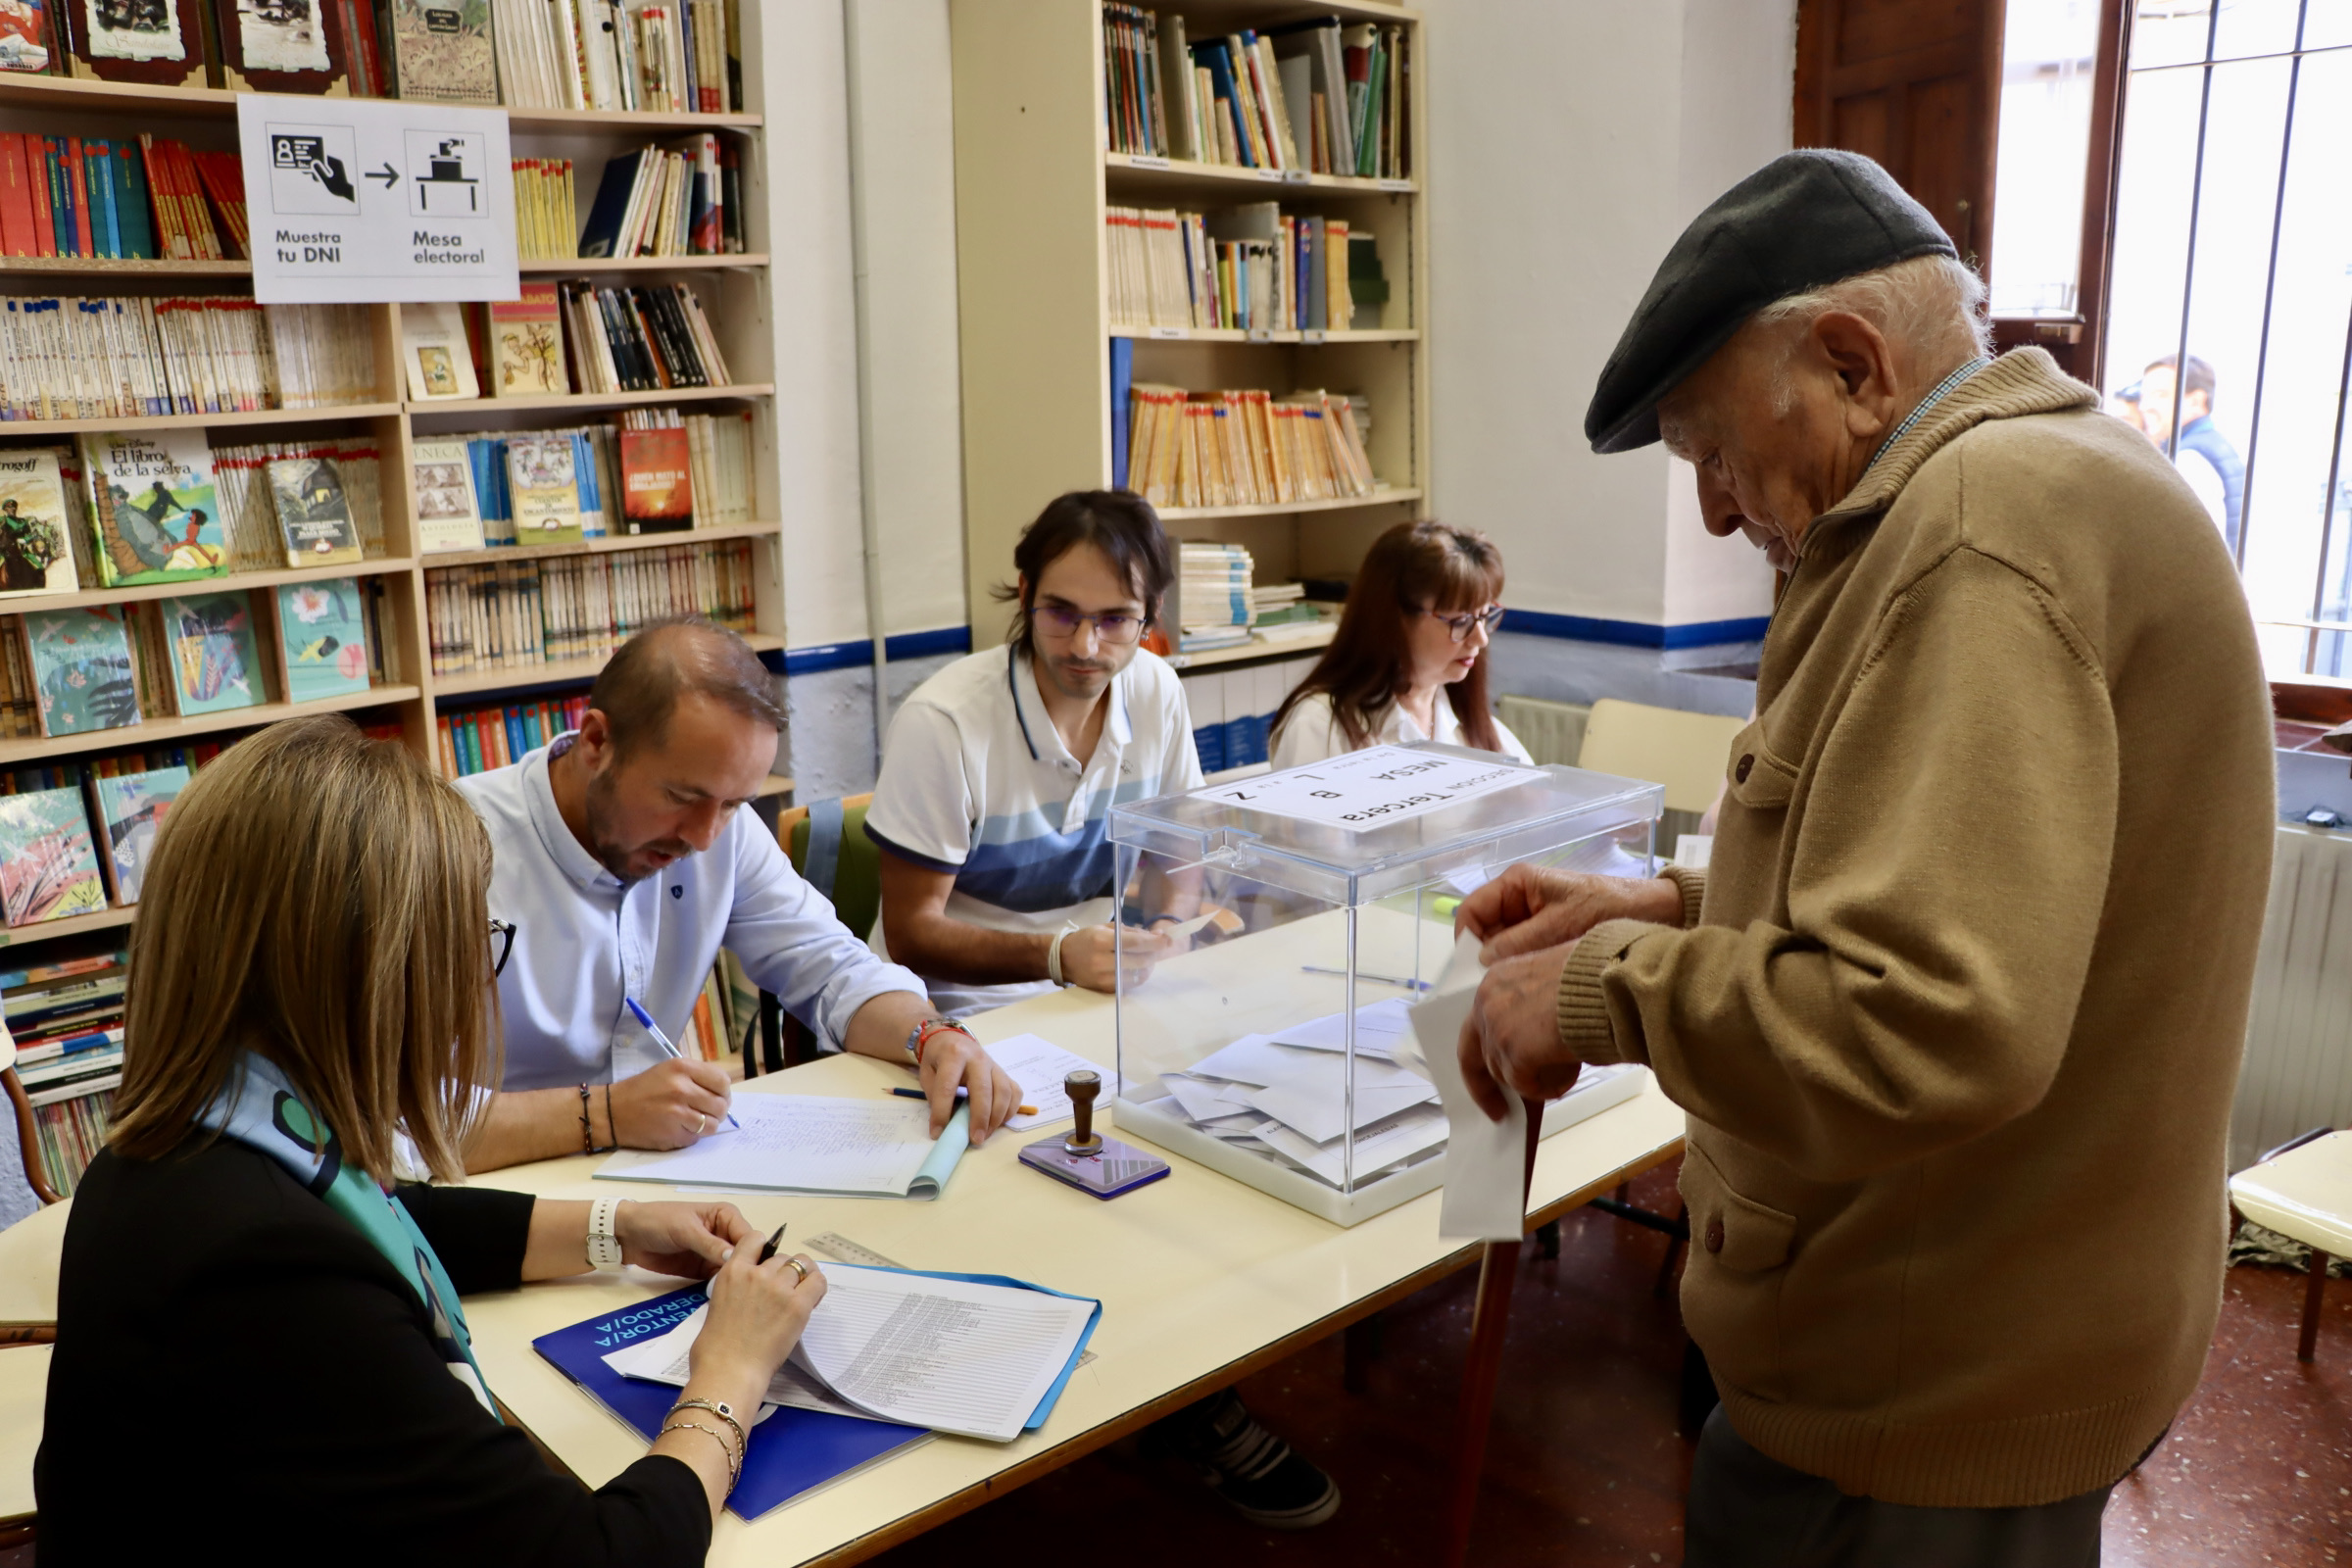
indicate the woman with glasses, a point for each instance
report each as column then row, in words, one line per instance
column 260, row 1336
column 1410, row 660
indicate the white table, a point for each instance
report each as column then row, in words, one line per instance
column 1203, row 1280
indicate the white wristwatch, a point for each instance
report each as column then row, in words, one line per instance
column 604, row 1248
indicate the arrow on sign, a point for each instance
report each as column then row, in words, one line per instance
column 388, row 175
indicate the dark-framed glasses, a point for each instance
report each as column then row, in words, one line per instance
column 502, row 944
column 1116, row 626
column 1462, row 624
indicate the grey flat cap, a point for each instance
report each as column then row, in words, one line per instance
column 1806, row 219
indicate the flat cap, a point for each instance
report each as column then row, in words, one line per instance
column 1806, row 219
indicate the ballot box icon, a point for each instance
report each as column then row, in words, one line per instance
column 445, row 174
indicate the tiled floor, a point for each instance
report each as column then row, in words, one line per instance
column 1585, row 1466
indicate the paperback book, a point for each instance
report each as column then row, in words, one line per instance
column 154, row 505
column 543, row 478
column 36, row 548
column 656, row 480
column 215, row 664
column 48, row 865
column 158, row 42
column 81, row 669
column 314, row 512
column 130, row 808
column 294, row 46
column 322, row 639
column 25, row 38
column 443, row 51
column 434, row 353
column 526, row 345
column 448, row 516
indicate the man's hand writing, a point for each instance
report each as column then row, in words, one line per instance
column 668, row 1105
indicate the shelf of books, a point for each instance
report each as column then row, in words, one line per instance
column 216, row 514
column 1240, row 186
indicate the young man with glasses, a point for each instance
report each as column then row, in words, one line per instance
column 992, row 815
column 623, row 860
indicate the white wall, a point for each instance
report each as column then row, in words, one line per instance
column 1571, row 142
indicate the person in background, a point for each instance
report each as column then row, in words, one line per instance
column 1944, row 1012
column 625, row 859
column 313, row 953
column 2205, row 456
column 992, row 814
column 1409, row 661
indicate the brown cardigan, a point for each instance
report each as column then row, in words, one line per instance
column 1958, row 1020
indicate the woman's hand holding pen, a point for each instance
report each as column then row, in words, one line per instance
column 668, row 1105
column 952, row 1059
column 758, row 1312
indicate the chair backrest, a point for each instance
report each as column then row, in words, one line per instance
column 1685, row 752
column 828, row 846
column 29, row 1135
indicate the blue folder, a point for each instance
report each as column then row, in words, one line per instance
column 793, row 1452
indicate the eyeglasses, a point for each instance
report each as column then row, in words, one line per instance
column 1062, row 621
column 1461, row 625
column 502, row 939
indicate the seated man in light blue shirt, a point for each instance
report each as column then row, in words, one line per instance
column 625, row 861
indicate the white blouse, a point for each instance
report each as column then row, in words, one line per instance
column 1311, row 733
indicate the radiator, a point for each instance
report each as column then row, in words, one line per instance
column 1551, row 732
column 2298, row 1067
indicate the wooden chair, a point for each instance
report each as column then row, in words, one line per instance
column 2303, row 1190
column 1685, row 752
column 827, row 842
column 28, row 1134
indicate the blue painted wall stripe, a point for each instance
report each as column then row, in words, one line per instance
column 1635, row 634
column 860, row 654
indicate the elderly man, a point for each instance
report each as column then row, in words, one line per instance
column 1957, row 1009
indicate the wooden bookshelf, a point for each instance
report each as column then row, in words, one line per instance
column 1033, row 179
column 735, row 293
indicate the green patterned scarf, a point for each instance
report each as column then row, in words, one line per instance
column 260, row 1110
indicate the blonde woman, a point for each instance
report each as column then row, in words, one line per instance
column 260, row 1339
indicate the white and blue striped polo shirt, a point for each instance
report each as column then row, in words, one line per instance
column 977, row 782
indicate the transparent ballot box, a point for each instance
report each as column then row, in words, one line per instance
column 1274, row 931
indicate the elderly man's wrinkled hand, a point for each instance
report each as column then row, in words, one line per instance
column 1526, row 908
column 1512, row 1040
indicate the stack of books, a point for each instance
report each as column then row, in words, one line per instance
column 1320, row 97
column 66, row 1019
column 68, row 358
column 522, row 614
column 474, row 740
column 263, row 484
column 684, row 200
column 1239, row 449
column 1251, row 268
column 545, row 227
column 117, row 200
column 1215, row 606
column 682, row 56
column 641, row 339
column 656, row 471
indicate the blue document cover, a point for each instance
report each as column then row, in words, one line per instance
column 791, row 1452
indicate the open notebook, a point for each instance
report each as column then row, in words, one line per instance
column 976, row 1355
column 878, row 1148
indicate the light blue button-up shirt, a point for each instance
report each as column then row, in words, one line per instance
column 584, row 939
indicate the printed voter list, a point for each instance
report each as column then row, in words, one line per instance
column 357, row 201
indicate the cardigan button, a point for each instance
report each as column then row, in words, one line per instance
column 1715, row 1234
column 1747, row 766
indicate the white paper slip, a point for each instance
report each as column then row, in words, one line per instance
column 948, row 1354
column 668, row 1358
column 880, row 1148
column 1485, row 1161
column 1365, row 789
column 1318, row 1114
column 1379, row 1027
column 1204, row 1099
column 1419, row 1129
column 1039, row 1066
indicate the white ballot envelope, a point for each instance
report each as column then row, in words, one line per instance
column 1485, row 1161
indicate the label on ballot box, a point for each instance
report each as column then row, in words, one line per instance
column 1366, row 789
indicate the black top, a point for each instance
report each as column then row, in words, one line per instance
column 236, row 1365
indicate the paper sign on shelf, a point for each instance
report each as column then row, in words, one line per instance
column 361, row 200
column 1363, row 789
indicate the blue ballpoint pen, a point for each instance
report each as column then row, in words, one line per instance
column 666, row 1043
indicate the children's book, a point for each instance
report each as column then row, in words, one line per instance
column 25, row 41
column 543, row 474
column 443, row 51
column 281, row 46
column 36, row 543
column 435, row 353
column 155, row 508
column 322, row 639
column 314, row 512
column 130, row 808
column 81, row 669
column 448, row 516
column 48, row 865
column 657, row 482
column 526, row 345
column 215, row 664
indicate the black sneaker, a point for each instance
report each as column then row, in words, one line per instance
column 1258, row 1474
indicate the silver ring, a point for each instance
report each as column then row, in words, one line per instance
column 800, row 1269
